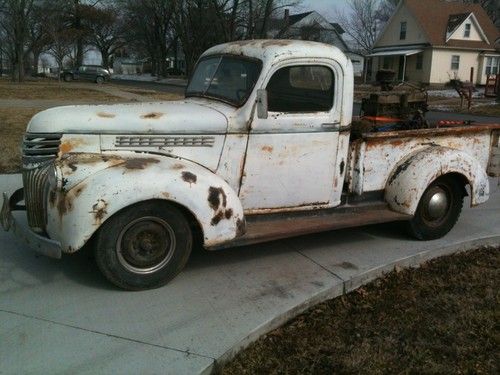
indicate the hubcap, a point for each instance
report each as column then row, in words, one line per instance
column 145, row 245
column 438, row 205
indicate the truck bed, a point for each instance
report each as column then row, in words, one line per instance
column 374, row 156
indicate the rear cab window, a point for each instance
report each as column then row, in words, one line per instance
column 301, row 88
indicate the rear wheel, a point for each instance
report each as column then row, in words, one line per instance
column 438, row 209
column 68, row 77
column 144, row 246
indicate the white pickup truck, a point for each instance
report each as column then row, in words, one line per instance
column 260, row 149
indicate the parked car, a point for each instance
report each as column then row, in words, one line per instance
column 260, row 149
column 92, row 73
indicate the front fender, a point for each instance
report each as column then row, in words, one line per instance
column 96, row 186
column 413, row 175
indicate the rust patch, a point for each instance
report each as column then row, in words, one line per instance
column 217, row 218
column 69, row 145
column 276, row 42
column 64, row 200
column 217, row 200
column 65, row 147
column 400, row 169
column 99, row 210
column 241, row 227
column 177, row 166
column 214, row 198
column 189, row 177
column 267, row 149
column 152, row 115
column 396, row 142
column 139, row 163
column 106, row 115
column 165, row 194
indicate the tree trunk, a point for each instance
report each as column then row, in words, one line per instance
column 19, row 63
column 105, row 58
column 36, row 57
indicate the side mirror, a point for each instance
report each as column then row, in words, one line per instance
column 262, row 103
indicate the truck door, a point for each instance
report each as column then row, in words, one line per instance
column 291, row 154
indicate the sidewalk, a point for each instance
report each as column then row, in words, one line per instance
column 62, row 316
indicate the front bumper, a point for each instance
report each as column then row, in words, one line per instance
column 40, row 244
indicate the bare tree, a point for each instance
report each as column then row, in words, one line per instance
column 61, row 40
column 492, row 7
column 38, row 33
column 14, row 16
column 364, row 20
column 107, row 31
column 150, row 31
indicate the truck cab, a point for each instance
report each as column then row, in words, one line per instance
column 259, row 149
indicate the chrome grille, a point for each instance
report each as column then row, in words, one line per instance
column 39, row 147
column 38, row 152
column 147, row 141
column 35, row 185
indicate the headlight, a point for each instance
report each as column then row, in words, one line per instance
column 55, row 176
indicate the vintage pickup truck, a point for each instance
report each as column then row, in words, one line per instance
column 260, row 149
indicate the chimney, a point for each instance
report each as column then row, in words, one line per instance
column 287, row 16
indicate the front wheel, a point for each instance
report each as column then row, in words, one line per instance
column 99, row 80
column 438, row 209
column 144, row 246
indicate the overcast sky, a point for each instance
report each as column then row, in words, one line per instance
column 327, row 8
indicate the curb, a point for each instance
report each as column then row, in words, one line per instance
column 345, row 287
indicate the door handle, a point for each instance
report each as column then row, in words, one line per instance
column 331, row 125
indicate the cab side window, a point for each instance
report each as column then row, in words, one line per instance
column 303, row 88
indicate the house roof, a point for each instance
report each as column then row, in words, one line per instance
column 339, row 29
column 437, row 17
column 297, row 17
column 455, row 20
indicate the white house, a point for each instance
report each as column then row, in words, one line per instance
column 314, row 27
column 435, row 41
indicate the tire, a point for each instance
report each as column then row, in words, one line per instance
column 99, row 80
column 144, row 246
column 68, row 77
column 438, row 209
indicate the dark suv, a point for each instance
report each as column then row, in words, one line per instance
column 92, row 73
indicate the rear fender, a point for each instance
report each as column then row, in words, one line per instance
column 413, row 175
column 97, row 186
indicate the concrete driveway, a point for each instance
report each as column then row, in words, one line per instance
column 62, row 316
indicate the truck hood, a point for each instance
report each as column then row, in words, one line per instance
column 182, row 116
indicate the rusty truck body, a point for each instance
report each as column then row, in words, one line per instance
column 259, row 149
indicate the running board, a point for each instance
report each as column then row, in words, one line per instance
column 263, row 228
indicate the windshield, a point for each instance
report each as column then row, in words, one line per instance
column 228, row 78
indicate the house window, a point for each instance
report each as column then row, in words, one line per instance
column 467, row 30
column 492, row 65
column 420, row 61
column 455, row 62
column 402, row 31
column 303, row 88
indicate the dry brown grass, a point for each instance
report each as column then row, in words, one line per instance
column 13, row 123
column 439, row 319
column 52, row 90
